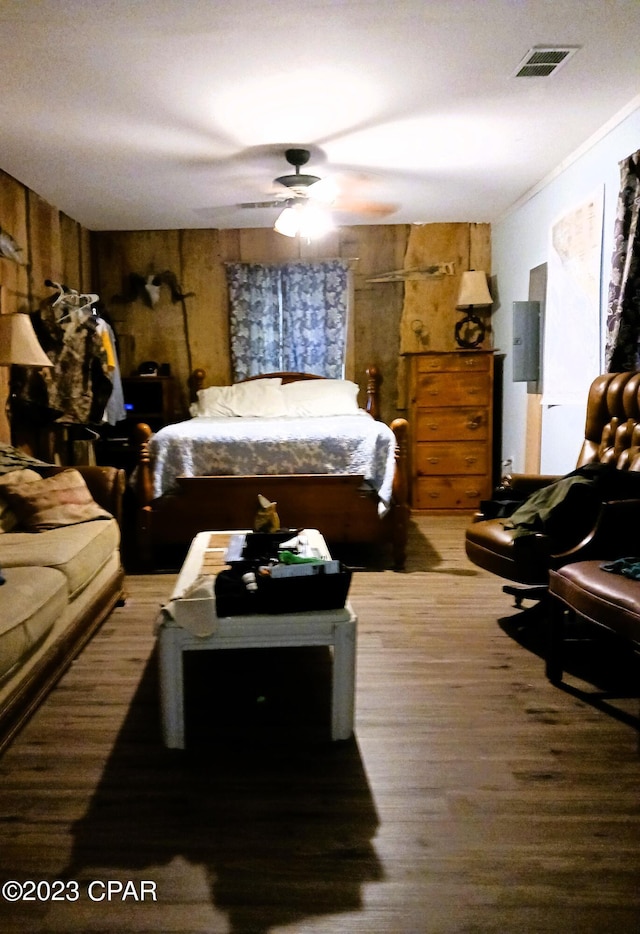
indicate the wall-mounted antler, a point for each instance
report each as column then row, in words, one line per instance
column 147, row 289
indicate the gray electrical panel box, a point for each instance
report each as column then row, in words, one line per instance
column 526, row 342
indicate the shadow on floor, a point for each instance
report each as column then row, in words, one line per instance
column 280, row 819
column 607, row 670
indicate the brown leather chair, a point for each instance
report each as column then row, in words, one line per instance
column 585, row 589
column 612, row 436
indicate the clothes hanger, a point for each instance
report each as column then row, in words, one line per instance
column 87, row 301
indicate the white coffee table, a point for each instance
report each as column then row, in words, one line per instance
column 335, row 628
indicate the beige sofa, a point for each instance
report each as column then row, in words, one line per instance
column 60, row 584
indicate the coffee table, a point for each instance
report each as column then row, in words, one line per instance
column 200, row 629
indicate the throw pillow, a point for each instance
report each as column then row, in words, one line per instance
column 8, row 518
column 14, row 459
column 63, row 499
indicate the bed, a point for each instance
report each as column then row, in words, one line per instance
column 295, row 438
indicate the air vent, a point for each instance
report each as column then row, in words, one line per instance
column 543, row 61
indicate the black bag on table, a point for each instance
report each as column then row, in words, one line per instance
column 318, row 591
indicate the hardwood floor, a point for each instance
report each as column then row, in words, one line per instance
column 475, row 797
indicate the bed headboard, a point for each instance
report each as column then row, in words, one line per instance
column 374, row 381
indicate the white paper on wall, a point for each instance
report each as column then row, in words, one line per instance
column 571, row 354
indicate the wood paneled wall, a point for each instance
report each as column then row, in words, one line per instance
column 197, row 258
column 196, row 333
column 54, row 247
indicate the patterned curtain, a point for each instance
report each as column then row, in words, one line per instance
column 622, row 350
column 288, row 317
column 255, row 324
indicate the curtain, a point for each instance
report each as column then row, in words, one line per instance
column 622, row 351
column 288, row 317
column 255, row 325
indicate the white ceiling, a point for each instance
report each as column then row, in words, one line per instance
column 150, row 114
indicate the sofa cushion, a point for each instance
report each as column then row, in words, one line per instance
column 31, row 600
column 63, row 499
column 79, row 551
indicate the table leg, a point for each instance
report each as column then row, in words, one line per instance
column 343, row 681
column 171, row 687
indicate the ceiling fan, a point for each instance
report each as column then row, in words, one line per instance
column 308, row 199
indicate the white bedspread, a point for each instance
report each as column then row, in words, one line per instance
column 337, row 444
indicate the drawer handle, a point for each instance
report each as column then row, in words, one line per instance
column 473, row 493
column 474, row 423
column 471, row 460
column 434, row 460
column 473, row 390
column 434, row 495
column 433, row 427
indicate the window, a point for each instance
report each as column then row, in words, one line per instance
column 289, row 317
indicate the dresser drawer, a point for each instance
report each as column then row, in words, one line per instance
column 454, row 363
column 450, row 492
column 452, row 459
column 451, row 424
column 451, row 419
column 438, row 389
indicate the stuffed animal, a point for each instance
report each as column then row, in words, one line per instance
column 266, row 518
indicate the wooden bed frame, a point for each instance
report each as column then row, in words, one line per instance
column 342, row 507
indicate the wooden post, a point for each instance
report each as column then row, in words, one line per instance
column 374, row 381
column 400, row 505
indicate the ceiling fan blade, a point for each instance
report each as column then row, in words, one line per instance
column 354, row 206
column 261, row 204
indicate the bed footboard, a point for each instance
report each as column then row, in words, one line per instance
column 344, row 507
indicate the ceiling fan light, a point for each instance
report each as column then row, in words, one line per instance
column 287, row 223
column 315, row 222
column 309, row 221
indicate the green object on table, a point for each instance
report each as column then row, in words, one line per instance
column 289, row 557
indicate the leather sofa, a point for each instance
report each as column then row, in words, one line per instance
column 60, row 584
column 608, row 599
column 612, row 437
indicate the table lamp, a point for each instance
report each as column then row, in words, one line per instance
column 19, row 345
column 474, row 292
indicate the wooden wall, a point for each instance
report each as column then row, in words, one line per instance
column 197, row 258
column 196, row 334
column 54, row 247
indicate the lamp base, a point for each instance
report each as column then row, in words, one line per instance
column 470, row 331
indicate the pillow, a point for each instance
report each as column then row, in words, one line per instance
column 258, row 397
column 321, row 397
column 8, row 518
column 212, row 402
column 13, row 459
column 63, row 499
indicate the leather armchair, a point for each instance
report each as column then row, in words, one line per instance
column 586, row 589
column 612, row 436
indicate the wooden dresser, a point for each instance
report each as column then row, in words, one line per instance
column 452, row 427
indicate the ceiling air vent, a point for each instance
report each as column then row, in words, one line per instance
column 543, row 61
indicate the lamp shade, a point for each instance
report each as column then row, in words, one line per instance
column 474, row 289
column 18, row 342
